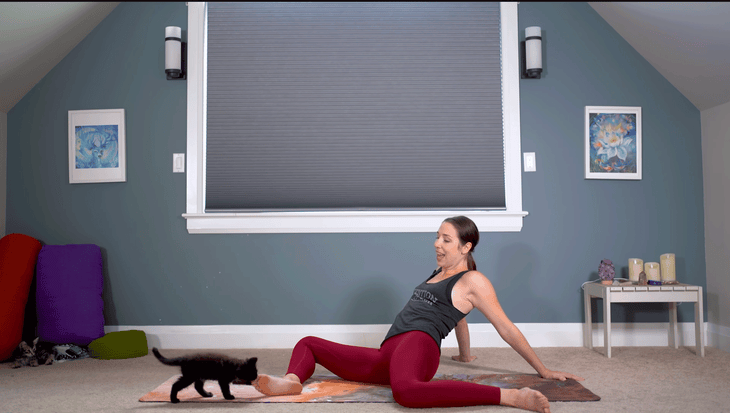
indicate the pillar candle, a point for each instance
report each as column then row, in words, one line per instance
column 652, row 271
column 667, row 264
column 635, row 267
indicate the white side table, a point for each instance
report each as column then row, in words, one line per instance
column 672, row 294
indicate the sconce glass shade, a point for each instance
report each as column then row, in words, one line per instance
column 173, row 52
column 533, row 51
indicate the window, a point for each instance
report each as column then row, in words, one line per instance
column 375, row 219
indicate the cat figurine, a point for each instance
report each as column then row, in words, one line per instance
column 197, row 368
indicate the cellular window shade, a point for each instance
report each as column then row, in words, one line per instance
column 354, row 106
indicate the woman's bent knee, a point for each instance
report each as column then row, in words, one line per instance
column 407, row 395
column 308, row 341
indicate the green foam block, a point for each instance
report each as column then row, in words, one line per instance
column 119, row 345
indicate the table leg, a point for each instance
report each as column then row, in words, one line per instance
column 607, row 323
column 673, row 333
column 588, row 330
column 699, row 324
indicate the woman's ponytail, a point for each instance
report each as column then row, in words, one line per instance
column 470, row 264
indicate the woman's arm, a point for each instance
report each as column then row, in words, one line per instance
column 462, row 337
column 482, row 296
column 513, row 336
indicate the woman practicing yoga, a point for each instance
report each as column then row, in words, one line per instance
column 409, row 356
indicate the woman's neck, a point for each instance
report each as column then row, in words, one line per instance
column 447, row 272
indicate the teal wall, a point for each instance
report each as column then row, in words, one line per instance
column 158, row 274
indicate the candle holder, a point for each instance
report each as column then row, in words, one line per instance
column 668, row 268
column 636, row 265
column 652, row 271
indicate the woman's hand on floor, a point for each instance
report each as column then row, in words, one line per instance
column 559, row 375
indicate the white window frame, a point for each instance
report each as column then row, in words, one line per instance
column 201, row 222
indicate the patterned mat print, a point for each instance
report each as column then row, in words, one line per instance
column 330, row 389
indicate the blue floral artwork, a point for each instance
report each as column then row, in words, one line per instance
column 612, row 142
column 97, row 146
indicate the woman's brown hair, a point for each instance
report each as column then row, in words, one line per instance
column 468, row 232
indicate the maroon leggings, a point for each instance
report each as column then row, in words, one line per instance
column 407, row 362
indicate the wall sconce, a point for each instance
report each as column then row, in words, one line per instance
column 532, row 53
column 174, row 53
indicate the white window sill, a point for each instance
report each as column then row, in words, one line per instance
column 346, row 221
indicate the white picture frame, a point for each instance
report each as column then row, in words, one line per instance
column 613, row 142
column 96, row 146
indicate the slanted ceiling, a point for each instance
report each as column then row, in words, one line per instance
column 35, row 37
column 686, row 42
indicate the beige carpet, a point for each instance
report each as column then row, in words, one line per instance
column 635, row 379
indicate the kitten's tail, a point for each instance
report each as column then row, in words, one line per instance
column 163, row 360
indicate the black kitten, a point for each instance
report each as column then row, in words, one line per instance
column 197, row 368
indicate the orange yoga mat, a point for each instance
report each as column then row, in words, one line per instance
column 331, row 389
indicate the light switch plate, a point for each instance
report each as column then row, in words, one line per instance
column 178, row 162
column 529, row 161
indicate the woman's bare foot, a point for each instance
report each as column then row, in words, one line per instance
column 525, row 398
column 464, row 359
column 277, row 386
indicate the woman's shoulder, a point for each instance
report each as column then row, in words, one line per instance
column 475, row 278
column 474, row 274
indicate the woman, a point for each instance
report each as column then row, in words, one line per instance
column 409, row 356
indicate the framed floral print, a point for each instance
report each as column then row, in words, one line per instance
column 613, row 142
column 96, row 146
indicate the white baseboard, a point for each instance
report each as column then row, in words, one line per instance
column 718, row 337
column 371, row 335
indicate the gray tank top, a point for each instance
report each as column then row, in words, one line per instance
column 429, row 310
